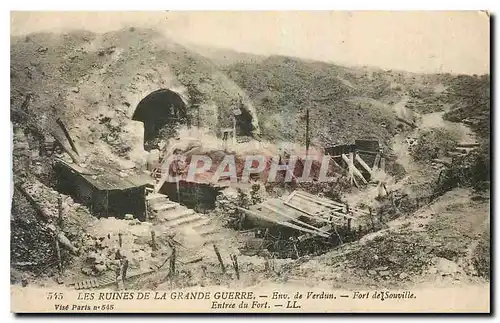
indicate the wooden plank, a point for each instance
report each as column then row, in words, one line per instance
column 291, row 196
column 330, row 206
column 306, row 204
column 382, row 164
column 333, row 202
column 376, row 162
column 270, row 208
column 286, row 224
column 68, row 136
column 359, row 151
column 350, row 163
column 353, row 169
column 355, row 182
column 362, row 163
column 310, row 215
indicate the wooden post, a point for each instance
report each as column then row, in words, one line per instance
column 198, row 114
column 382, row 164
column 307, row 132
column 172, row 263
column 60, row 211
column 347, row 211
column 351, row 167
column 234, row 260
column 371, row 218
column 222, row 266
column 145, row 204
column 124, row 268
column 154, row 247
column 58, row 252
column 120, row 241
column 353, row 170
column 234, row 130
column 376, row 162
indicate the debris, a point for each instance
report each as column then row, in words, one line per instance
column 222, row 266
column 234, row 260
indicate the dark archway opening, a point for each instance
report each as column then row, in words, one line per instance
column 161, row 111
column 244, row 123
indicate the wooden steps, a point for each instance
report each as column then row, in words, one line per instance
column 175, row 216
column 184, row 220
column 163, row 205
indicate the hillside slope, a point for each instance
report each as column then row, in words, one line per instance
column 94, row 82
column 345, row 103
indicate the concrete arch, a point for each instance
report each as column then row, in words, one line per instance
column 157, row 109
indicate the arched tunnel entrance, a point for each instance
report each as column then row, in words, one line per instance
column 161, row 112
column 244, row 125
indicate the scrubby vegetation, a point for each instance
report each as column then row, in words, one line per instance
column 482, row 255
column 470, row 100
column 282, row 88
column 469, row 97
column 471, row 170
column 434, row 143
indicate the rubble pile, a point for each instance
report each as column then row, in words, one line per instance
column 32, row 242
column 111, row 239
column 396, row 254
column 227, row 203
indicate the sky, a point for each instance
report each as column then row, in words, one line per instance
column 426, row 41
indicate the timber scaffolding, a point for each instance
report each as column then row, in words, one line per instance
column 309, row 214
column 357, row 158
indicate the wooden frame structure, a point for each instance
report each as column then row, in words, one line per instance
column 355, row 159
column 307, row 213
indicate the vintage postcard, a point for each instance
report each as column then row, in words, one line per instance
column 250, row 162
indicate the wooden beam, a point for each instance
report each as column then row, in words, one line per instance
column 376, row 162
column 291, row 196
column 309, row 215
column 286, row 224
column 292, row 218
column 329, row 206
column 362, row 163
column 334, row 203
column 368, row 152
column 350, row 163
column 382, row 164
column 68, row 136
column 353, row 169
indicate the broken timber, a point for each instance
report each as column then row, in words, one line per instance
column 352, row 169
column 330, row 203
column 293, row 219
column 362, row 163
column 286, row 224
column 305, row 212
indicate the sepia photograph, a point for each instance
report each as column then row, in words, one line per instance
column 250, row 162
